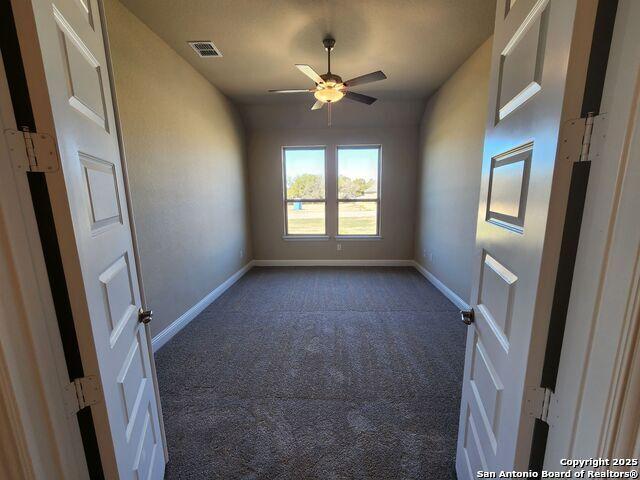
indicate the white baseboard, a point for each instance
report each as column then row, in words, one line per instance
column 446, row 291
column 333, row 263
column 168, row 333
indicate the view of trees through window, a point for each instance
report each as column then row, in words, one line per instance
column 307, row 185
column 358, row 192
column 304, row 170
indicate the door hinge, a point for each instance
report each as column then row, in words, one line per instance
column 577, row 137
column 81, row 393
column 540, row 403
column 586, row 137
column 32, row 151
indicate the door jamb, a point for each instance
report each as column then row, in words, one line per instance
column 606, row 429
column 592, row 95
column 59, row 360
column 33, row 371
column 27, row 33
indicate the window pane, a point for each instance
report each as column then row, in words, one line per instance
column 358, row 172
column 357, row 218
column 305, row 218
column 304, row 169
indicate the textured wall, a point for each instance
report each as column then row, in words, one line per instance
column 399, row 157
column 450, row 161
column 186, row 160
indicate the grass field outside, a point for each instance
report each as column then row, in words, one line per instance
column 308, row 220
column 355, row 218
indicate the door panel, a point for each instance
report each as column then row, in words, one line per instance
column 508, row 187
column 101, row 186
column 521, row 61
column 97, row 242
column 525, row 179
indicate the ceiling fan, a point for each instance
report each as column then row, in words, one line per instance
column 330, row 88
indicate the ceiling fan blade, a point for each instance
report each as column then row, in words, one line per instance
column 358, row 97
column 318, row 105
column 291, row 91
column 310, row 72
column 368, row 78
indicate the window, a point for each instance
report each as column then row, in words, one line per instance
column 304, row 192
column 359, row 191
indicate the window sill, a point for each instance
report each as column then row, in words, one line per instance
column 308, row 238
column 358, row 237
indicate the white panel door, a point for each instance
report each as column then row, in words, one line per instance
column 539, row 60
column 96, row 240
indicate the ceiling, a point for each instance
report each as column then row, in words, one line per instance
column 417, row 43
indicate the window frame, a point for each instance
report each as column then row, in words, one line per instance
column 378, row 199
column 285, row 200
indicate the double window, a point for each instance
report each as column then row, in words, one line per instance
column 357, row 191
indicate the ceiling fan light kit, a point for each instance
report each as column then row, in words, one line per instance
column 329, row 94
column 330, row 88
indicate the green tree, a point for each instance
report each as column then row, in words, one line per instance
column 353, row 187
column 306, row 185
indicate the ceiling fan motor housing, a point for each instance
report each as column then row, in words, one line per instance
column 331, row 79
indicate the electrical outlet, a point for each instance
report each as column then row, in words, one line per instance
column 242, row 253
column 339, row 246
column 430, row 257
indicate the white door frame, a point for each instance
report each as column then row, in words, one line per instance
column 43, row 443
column 40, row 439
column 596, row 414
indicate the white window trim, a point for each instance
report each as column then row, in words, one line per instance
column 358, row 238
column 305, row 238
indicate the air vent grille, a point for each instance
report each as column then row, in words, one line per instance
column 205, row 48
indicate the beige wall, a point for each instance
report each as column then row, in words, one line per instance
column 450, row 160
column 270, row 132
column 185, row 153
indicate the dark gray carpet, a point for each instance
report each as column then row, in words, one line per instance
column 316, row 373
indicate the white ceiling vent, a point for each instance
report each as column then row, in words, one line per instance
column 205, row 48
